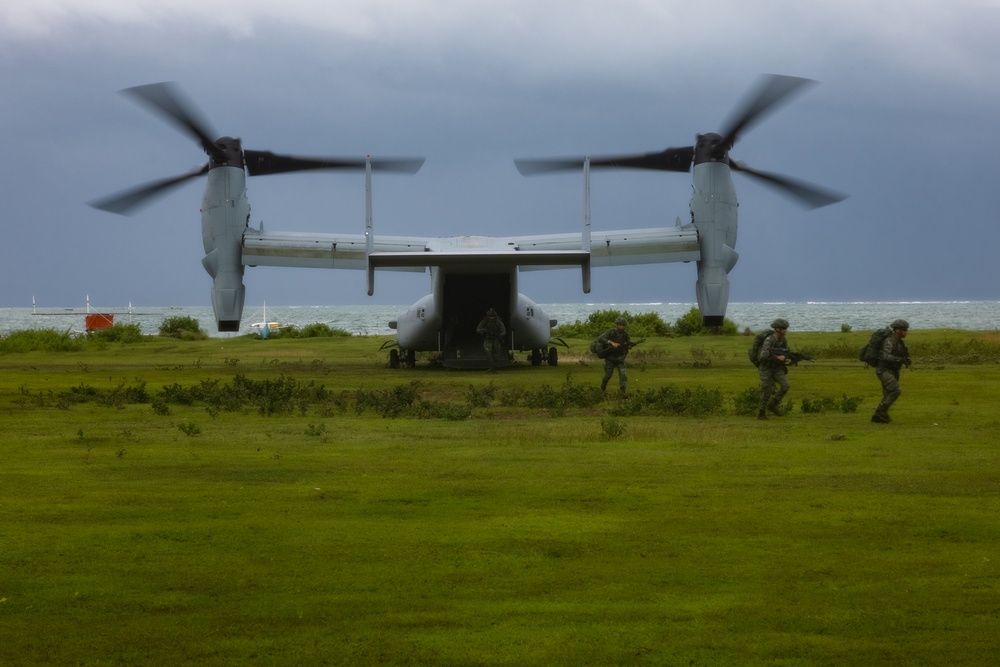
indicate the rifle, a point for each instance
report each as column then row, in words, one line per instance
column 609, row 349
column 793, row 358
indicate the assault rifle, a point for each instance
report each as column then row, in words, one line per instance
column 609, row 349
column 793, row 358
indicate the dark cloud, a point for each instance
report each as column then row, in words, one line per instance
column 904, row 121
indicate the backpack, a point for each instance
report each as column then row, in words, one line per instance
column 758, row 342
column 873, row 349
column 598, row 348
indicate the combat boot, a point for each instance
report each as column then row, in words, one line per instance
column 773, row 407
column 762, row 415
column 881, row 416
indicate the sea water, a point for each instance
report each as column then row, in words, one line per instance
column 369, row 319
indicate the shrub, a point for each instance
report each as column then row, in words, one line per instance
column 689, row 324
column 569, row 395
column 642, row 325
column 183, row 327
column 671, row 400
column 267, row 397
column 314, row 330
column 846, row 404
column 746, row 402
column 40, row 340
column 395, row 402
column 612, row 429
column 442, row 410
column 118, row 333
column 481, row 397
column 189, row 429
column 320, row 330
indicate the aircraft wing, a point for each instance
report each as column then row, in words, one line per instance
column 407, row 253
column 323, row 251
column 623, row 246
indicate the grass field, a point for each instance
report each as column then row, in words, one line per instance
column 285, row 502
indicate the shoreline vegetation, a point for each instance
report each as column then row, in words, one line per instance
column 170, row 500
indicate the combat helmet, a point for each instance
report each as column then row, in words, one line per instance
column 780, row 323
column 622, row 321
column 900, row 324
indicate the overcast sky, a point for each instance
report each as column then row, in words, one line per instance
column 904, row 121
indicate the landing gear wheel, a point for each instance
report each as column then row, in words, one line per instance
column 411, row 358
column 536, row 357
column 553, row 356
column 393, row 358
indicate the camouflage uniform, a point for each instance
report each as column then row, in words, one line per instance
column 493, row 331
column 772, row 371
column 891, row 358
column 616, row 356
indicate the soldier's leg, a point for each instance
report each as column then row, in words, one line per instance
column 609, row 369
column 766, row 386
column 488, row 349
column 890, row 391
column 781, row 377
column 622, row 377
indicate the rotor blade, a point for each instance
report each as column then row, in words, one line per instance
column 125, row 202
column 773, row 88
column 671, row 159
column 167, row 99
column 807, row 195
column 260, row 163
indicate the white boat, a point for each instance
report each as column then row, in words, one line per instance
column 263, row 328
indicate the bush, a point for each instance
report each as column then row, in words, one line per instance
column 396, row 402
column 746, row 402
column 314, row 330
column 183, row 327
column 320, row 330
column 671, row 400
column 689, row 324
column 118, row 333
column 40, row 340
column 569, row 395
column 612, row 429
column 642, row 325
column 481, row 397
column 846, row 404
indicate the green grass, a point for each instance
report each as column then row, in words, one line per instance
column 505, row 532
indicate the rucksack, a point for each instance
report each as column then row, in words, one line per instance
column 758, row 342
column 873, row 349
column 597, row 347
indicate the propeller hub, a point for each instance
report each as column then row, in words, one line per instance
column 711, row 147
column 228, row 153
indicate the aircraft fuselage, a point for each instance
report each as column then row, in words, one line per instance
column 445, row 320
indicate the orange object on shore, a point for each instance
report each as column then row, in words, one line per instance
column 99, row 321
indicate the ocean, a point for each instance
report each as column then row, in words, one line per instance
column 373, row 319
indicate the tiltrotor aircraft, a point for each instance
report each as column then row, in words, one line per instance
column 470, row 274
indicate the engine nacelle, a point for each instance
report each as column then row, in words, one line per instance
column 714, row 209
column 225, row 213
column 420, row 326
column 531, row 325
